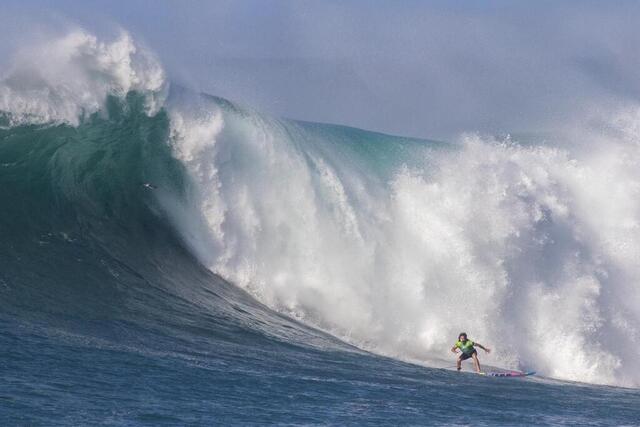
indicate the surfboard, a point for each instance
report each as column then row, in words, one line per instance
column 508, row 374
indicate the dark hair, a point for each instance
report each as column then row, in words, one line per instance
column 462, row 334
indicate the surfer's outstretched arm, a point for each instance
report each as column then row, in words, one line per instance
column 488, row 350
column 454, row 349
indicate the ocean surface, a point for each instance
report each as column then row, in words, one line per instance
column 171, row 258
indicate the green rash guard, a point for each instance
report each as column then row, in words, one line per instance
column 466, row 347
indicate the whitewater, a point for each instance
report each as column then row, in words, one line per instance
column 314, row 273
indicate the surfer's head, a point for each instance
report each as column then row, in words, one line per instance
column 462, row 336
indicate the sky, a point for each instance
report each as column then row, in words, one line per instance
column 429, row 69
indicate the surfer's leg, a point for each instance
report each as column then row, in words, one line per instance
column 476, row 362
column 462, row 357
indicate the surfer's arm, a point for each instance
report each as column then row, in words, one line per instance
column 454, row 349
column 488, row 350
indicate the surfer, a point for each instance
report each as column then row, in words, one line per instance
column 467, row 351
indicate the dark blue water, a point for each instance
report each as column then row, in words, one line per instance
column 107, row 319
column 53, row 378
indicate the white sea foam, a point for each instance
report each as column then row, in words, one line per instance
column 533, row 250
column 66, row 78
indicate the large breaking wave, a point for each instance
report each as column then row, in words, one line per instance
column 392, row 244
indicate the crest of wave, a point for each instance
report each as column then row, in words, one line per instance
column 531, row 249
column 64, row 79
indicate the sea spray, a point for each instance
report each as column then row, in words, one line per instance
column 495, row 237
column 65, row 79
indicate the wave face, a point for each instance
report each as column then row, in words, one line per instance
column 391, row 244
column 396, row 245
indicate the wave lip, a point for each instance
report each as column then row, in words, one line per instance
column 81, row 72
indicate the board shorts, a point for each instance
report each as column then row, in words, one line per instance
column 465, row 356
